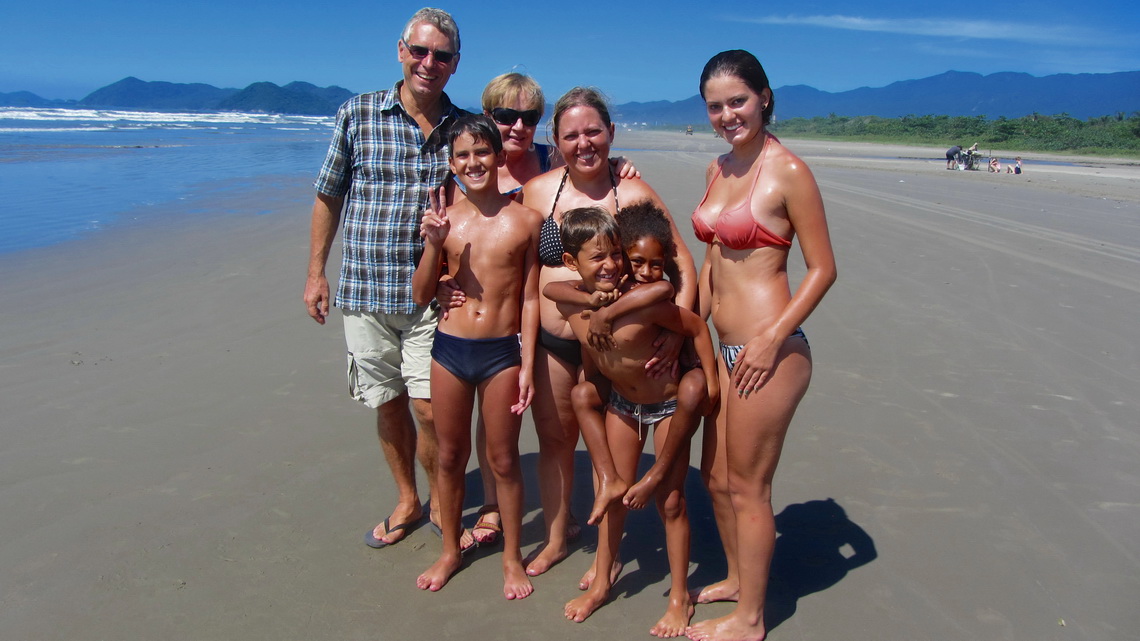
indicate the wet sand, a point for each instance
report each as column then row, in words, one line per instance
column 180, row 459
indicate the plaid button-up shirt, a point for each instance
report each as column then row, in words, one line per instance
column 380, row 162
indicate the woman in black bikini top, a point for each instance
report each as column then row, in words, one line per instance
column 583, row 133
column 549, row 239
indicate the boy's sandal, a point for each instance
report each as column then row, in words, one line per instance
column 484, row 524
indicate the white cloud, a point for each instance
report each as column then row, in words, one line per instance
column 965, row 29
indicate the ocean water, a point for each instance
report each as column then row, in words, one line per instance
column 68, row 173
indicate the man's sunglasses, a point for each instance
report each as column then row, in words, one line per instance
column 508, row 117
column 420, row 52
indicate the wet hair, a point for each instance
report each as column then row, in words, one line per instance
column 511, row 86
column 580, row 97
column 738, row 63
column 581, row 224
column 437, row 18
column 480, row 127
column 644, row 219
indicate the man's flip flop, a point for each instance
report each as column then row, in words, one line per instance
column 370, row 536
column 439, row 532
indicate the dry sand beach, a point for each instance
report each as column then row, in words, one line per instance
column 179, row 459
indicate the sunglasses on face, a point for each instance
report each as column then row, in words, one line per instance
column 508, row 117
column 420, row 52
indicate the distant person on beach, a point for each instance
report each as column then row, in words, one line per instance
column 388, row 153
column 995, row 165
column 487, row 243
column 759, row 197
column 1015, row 168
column 952, row 156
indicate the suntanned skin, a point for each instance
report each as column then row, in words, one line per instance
column 599, row 262
column 421, row 96
column 647, row 265
column 584, row 142
column 490, row 244
column 522, row 164
column 749, row 298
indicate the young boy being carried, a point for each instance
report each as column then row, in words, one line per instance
column 490, row 246
column 592, row 242
column 650, row 256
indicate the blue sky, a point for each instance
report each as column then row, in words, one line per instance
column 632, row 50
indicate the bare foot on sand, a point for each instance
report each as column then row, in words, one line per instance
column 607, row 494
column 579, row 609
column 676, row 619
column 729, row 628
column 641, row 493
column 723, row 591
column 516, row 584
column 438, row 574
column 588, row 578
column 544, row 558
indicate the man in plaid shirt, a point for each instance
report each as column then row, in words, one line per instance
column 388, row 151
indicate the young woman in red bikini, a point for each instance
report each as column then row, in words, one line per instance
column 759, row 197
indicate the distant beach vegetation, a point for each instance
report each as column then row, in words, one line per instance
column 1115, row 135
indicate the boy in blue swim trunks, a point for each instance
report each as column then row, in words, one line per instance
column 638, row 405
column 486, row 347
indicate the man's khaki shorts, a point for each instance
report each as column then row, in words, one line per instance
column 389, row 354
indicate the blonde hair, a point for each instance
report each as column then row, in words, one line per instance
column 508, row 87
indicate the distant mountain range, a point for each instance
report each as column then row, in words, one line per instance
column 953, row 93
column 300, row 98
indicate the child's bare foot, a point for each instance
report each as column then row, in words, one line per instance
column 438, row 574
column 641, row 493
column 723, row 591
column 588, row 578
column 676, row 619
column 579, row 609
column 608, row 492
column 516, row 584
column 729, row 628
column 544, row 558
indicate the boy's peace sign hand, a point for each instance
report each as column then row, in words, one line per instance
column 434, row 225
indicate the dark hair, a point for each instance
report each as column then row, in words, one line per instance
column 644, row 219
column 738, row 63
column 581, row 224
column 480, row 127
column 580, row 97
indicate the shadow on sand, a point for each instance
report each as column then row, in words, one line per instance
column 816, row 544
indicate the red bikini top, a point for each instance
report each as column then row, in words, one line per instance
column 735, row 227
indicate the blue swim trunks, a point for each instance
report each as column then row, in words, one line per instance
column 647, row 415
column 474, row 360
